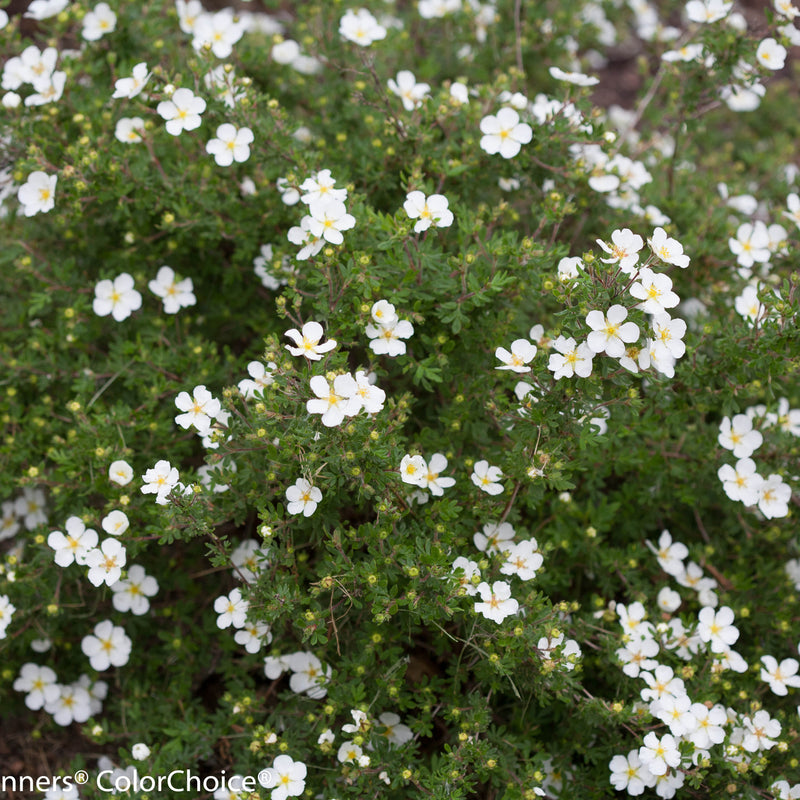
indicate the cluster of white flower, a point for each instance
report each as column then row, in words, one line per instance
column 37, row 68
column 327, row 215
column 308, row 674
column 415, row 470
column 388, row 330
column 66, row 703
column 28, row 509
column 741, row 482
column 232, row 610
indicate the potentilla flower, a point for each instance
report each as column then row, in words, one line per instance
column 632, row 621
column 717, row 629
column 629, row 773
column 129, row 130
column 668, row 250
column 658, row 755
column 36, row 67
column 487, row 478
column 130, row 87
column 248, row 560
column 661, row 683
column 200, row 409
column 432, row 480
column 781, row 677
column 175, row 294
column 668, row 335
column 654, row 289
column 188, row 13
column 219, row 31
column 363, row 29
column 30, row 505
column 432, row 210
column 495, row 538
column 689, row 52
column 393, row 730
column 44, row 9
column 610, row 332
column 329, row 219
column 38, row 194
column 773, row 497
column 468, row 569
column 408, row 90
column 760, row 732
column 48, row 90
column 367, row 395
column 637, row 655
column 751, row 244
column 793, row 208
column 109, row 646
column 73, row 704
column 302, row 498
column 522, row 560
column 503, row 133
column 577, row 78
column 570, row 359
column 624, row 249
column 39, row 683
column 120, row 472
column 521, row 354
column 115, row 523
column 349, row 753
column 286, row 778
column 707, row 11
column 318, row 190
column 333, row 401
column 182, row 111
column 260, row 377
column 307, row 341
column 301, row 235
column 386, row 339
column 131, row 593
column 709, row 725
column 253, row 636
column 738, row 435
column 106, row 562
column 231, row 144
column 232, row 610
column 748, row 305
column 309, row 676
column 98, row 22
column 117, row 297
column 7, row 609
column 160, row 480
column 770, row 54
column 413, row 470
column 675, row 712
column 497, row 601
column 74, row 545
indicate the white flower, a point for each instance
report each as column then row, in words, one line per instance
column 668, row 336
column 260, row 378
column 301, row 235
column 130, row 87
column 105, row 562
column 773, row 497
column 408, row 90
column 73, row 546
column 654, row 289
column 30, row 506
column 487, row 478
column 578, row 78
column 367, row 395
column 504, row 133
column 140, row 751
column 44, row 9
column 363, row 29
column 109, row 646
column 781, row 676
column 132, row 592
column 760, row 732
column 670, row 251
column 751, row 244
column 319, row 190
column 232, row 610
column 98, row 22
column 657, row 755
column 308, row 675
column 333, row 401
column 302, row 498
column 120, row 472
column 287, row 776
column 707, row 11
column 431, row 478
column 624, row 249
column 40, row 684
column 117, row 297
column 385, row 339
column 73, row 704
column 432, row 210
column 115, row 523
column 749, row 306
column 717, row 628
column 231, row 144
column 522, row 560
column 160, row 480
column 200, row 409
column 307, row 341
column 495, row 538
column 253, row 636
column 329, row 219
column 497, row 601
column 38, row 193
column 469, row 569
column 571, row 359
column 628, row 772
column 129, row 130
column 521, row 354
column 182, row 111
column 770, row 54
column 218, row 31
column 413, row 470
column 175, row 294
column 610, row 332
column 738, row 435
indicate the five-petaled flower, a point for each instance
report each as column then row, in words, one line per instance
column 302, row 498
